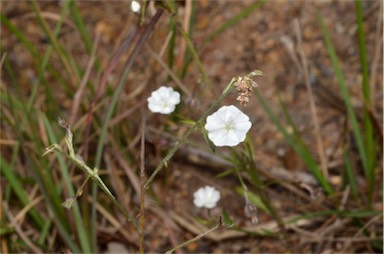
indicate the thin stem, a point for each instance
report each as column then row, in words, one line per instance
column 319, row 142
column 196, row 238
column 142, row 191
column 170, row 154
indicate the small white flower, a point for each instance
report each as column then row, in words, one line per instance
column 163, row 100
column 135, row 6
column 206, row 197
column 228, row 126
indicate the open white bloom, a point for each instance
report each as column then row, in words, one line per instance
column 206, row 197
column 163, row 100
column 135, row 6
column 228, row 126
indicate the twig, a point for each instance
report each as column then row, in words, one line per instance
column 80, row 91
column 142, row 190
column 19, row 231
column 169, row 71
column 198, row 237
column 102, row 84
column 118, row 226
column 3, row 59
column 272, row 227
column 32, row 203
column 304, row 63
column 186, row 23
column 359, row 232
column 377, row 55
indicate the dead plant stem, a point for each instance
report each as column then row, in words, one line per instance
column 196, row 238
column 142, row 191
column 320, row 146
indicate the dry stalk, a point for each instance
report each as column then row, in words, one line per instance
column 80, row 91
column 186, row 24
column 142, row 190
column 19, row 230
column 377, row 55
column 320, row 146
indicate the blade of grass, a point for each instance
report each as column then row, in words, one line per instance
column 229, row 23
column 18, row 187
column 234, row 20
column 74, row 10
column 120, row 86
column 42, row 176
column 347, row 100
column 251, row 168
column 103, row 135
column 313, row 108
column 193, row 51
column 171, row 8
column 171, row 46
column 52, row 200
column 297, row 146
column 349, row 173
column 40, row 79
column 70, row 70
column 81, row 231
column 187, row 25
column 44, row 233
column 29, row 46
column 20, row 232
column 368, row 126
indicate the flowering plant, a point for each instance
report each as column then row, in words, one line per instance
column 163, row 100
column 228, row 126
column 206, row 197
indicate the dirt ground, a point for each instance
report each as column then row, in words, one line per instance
column 260, row 41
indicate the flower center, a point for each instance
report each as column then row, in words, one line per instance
column 229, row 124
column 164, row 103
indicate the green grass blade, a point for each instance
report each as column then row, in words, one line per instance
column 18, row 188
column 172, row 41
column 234, row 20
column 19, row 35
column 229, row 23
column 302, row 152
column 349, row 173
column 346, row 214
column 346, row 97
column 368, row 125
column 193, row 51
column 81, row 231
column 44, row 233
column 296, row 134
column 74, row 10
column 70, row 70
column 32, row 50
column 363, row 52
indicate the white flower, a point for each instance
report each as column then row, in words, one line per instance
column 163, row 100
column 228, row 126
column 206, row 197
column 135, row 6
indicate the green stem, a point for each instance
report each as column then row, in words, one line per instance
column 170, row 154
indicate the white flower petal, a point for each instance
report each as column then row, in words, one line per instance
column 206, row 197
column 163, row 100
column 243, row 126
column 228, row 126
column 135, row 6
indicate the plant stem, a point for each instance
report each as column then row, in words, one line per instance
column 170, row 154
column 199, row 236
column 142, row 192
